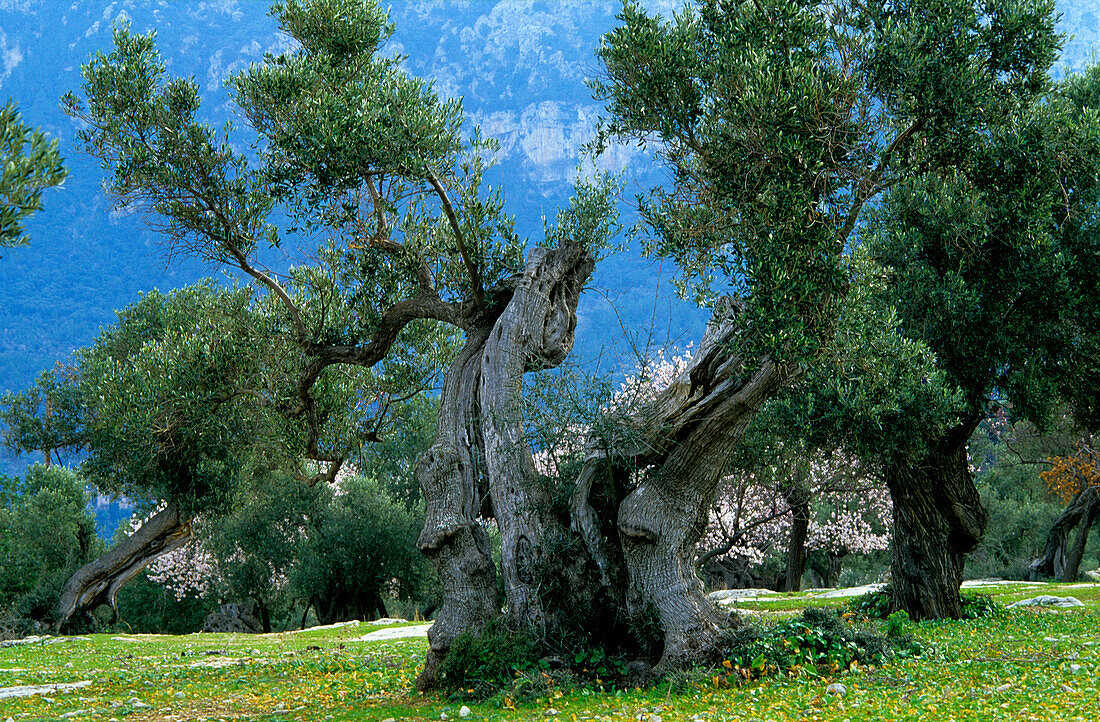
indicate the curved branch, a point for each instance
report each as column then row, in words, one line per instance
column 460, row 239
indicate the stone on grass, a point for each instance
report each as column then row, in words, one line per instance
column 234, row 618
column 464, row 711
column 1046, row 600
column 1004, row 687
column 1093, row 574
column 836, row 688
column 30, row 690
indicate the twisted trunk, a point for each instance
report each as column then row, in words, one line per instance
column 1081, row 513
column 452, row 480
column 546, row 585
column 938, row 518
column 681, row 441
column 99, row 581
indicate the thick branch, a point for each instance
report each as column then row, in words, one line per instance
column 460, row 240
column 99, row 581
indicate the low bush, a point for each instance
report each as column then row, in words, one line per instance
column 819, row 640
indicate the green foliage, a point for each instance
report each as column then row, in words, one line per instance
column 46, row 533
column 357, row 545
column 872, row 605
column 24, row 173
column 481, row 665
column 977, row 606
column 819, row 639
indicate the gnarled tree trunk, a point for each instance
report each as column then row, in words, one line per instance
column 548, row 587
column 938, row 518
column 1056, row 561
column 452, row 481
column 99, row 581
column 680, row 443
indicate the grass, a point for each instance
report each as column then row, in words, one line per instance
column 1023, row 665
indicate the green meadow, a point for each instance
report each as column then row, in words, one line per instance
column 1023, row 664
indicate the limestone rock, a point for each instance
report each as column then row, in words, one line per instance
column 234, row 618
column 1046, row 600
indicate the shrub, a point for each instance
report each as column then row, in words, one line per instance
column 820, row 639
column 477, row 666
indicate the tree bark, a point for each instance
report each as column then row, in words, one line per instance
column 453, row 484
column 1090, row 510
column 938, row 518
column 797, row 497
column 679, row 443
column 546, row 586
column 98, row 582
column 1054, row 561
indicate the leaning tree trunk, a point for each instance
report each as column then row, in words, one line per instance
column 452, row 482
column 547, row 584
column 938, row 518
column 1091, row 507
column 1055, row 562
column 99, row 581
column 680, row 442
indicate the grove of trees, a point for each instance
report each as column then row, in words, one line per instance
column 889, row 209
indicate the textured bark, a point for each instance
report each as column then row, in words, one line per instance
column 938, row 518
column 1055, row 561
column 1090, row 510
column 98, row 582
column 682, row 441
column 546, row 589
column 452, row 481
column 797, row 497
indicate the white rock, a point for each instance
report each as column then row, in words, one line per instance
column 464, row 711
column 1004, row 687
column 444, row 715
column 30, row 690
column 725, row 595
column 653, row 718
column 1046, row 600
column 836, row 688
column 418, row 630
column 850, row 592
column 1075, row 668
column 552, row 712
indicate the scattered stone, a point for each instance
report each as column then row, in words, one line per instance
column 137, row 703
column 850, row 592
column 418, row 630
column 180, row 695
column 1067, row 689
column 996, row 582
column 653, row 718
column 552, row 712
column 444, row 715
column 337, row 625
column 1093, row 574
column 464, row 711
column 732, row 595
column 1004, row 687
column 1046, row 600
column 75, row 713
column 639, row 673
column 1075, row 668
column 389, row 719
column 836, row 688
column 387, row 620
column 46, row 639
column 235, row 619
column 29, row 690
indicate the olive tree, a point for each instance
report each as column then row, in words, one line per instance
column 29, row 163
column 781, row 122
column 927, row 137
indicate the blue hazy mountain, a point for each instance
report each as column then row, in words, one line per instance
column 520, row 68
